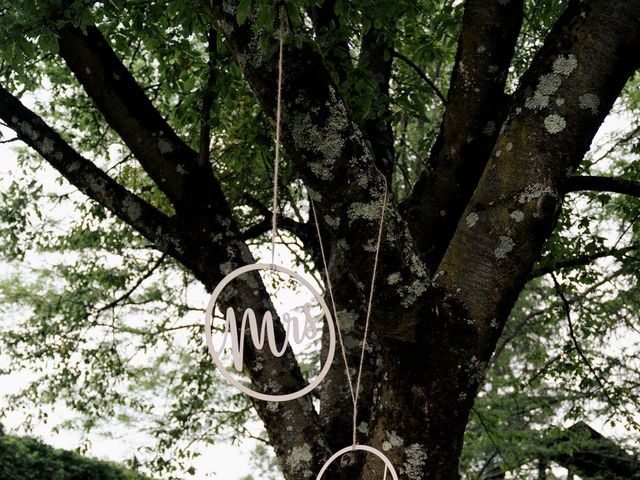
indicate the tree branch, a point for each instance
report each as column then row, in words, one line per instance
column 421, row 74
column 582, row 260
column 328, row 29
column 207, row 102
column 209, row 242
column 174, row 167
column 375, row 59
column 618, row 142
column 82, row 173
column 135, row 285
column 505, row 340
column 515, row 204
column 576, row 344
column 304, row 231
column 475, row 110
column 603, row 184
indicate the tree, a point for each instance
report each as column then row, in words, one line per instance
column 478, row 166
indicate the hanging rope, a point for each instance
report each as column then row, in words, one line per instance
column 276, row 166
column 354, row 390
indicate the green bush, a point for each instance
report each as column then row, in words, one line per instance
column 25, row 458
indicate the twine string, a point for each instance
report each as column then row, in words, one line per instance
column 369, row 307
column 333, row 303
column 276, row 166
column 354, row 391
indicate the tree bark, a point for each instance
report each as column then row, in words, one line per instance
column 475, row 110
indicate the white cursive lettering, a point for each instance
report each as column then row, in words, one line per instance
column 293, row 330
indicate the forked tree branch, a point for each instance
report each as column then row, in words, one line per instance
column 332, row 158
column 475, row 110
column 334, row 161
column 514, row 207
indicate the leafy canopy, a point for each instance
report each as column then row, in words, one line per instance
column 114, row 330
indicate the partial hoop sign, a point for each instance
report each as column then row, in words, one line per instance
column 366, row 448
column 265, row 333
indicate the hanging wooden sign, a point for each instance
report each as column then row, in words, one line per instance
column 366, row 448
column 262, row 333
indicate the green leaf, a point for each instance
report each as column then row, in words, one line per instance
column 243, row 11
column 294, row 15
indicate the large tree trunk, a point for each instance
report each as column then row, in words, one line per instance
column 501, row 195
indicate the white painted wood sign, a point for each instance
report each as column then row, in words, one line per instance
column 262, row 333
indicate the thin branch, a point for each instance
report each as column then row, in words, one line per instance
column 135, row 286
column 515, row 332
column 421, row 74
column 303, row 231
column 490, row 436
column 547, row 364
column 207, row 102
column 286, row 223
column 574, row 340
column 627, row 228
column 620, row 141
column 506, row 340
column 603, row 184
column 486, row 465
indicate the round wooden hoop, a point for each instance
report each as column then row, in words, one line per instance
column 208, row 321
column 365, row 448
